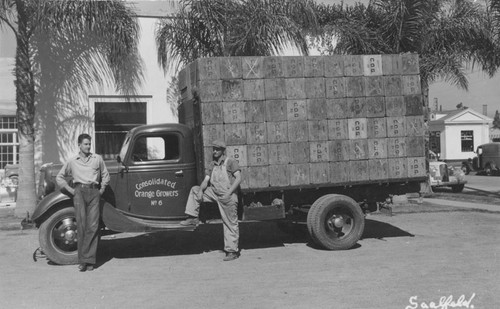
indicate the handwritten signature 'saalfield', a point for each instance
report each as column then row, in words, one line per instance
column 444, row 303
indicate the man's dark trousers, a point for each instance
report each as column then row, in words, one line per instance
column 86, row 202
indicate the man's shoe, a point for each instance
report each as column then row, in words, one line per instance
column 193, row 221
column 231, row 256
column 90, row 267
column 82, row 267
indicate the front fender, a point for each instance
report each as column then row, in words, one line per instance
column 48, row 203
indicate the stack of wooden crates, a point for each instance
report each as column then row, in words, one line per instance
column 308, row 121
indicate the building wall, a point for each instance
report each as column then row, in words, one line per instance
column 451, row 144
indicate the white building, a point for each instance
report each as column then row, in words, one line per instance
column 456, row 134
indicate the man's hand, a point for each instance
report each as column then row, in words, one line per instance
column 199, row 194
column 225, row 198
column 71, row 190
column 101, row 191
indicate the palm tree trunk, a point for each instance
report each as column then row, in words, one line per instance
column 25, row 99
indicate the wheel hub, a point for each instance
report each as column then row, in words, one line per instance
column 336, row 221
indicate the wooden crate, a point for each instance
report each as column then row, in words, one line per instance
column 334, row 66
column 337, row 129
column 316, row 109
column 252, row 67
column 339, row 150
column 279, row 175
column 318, row 130
column 396, row 126
column 358, row 149
column 359, row 170
column 315, row 87
column 235, row 133
column 357, row 107
column 374, row 86
column 415, row 126
column 256, row 132
column 239, row 153
column 319, row 151
column 299, row 152
column 396, row 147
column 207, row 157
column 410, row 63
column 393, row 85
column 297, row 110
column 398, row 168
column 335, row 87
column 210, row 90
column 299, row 174
column 258, row 176
column 314, row 66
column 377, row 148
column 378, row 169
column 230, row 68
column 340, row 172
column 274, row 88
column 211, row 113
column 232, row 90
column 416, row 167
column 376, row 127
column 277, row 132
column 319, row 172
column 298, row 131
column 208, row 68
column 293, row 66
column 212, row 132
column 353, row 65
column 255, row 111
column 245, row 178
column 234, row 112
column 411, row 84
column 415, row 146
column 253, row 89
column 257, row 155
column 392, row 64
column 395, row 106
column 372, row 65
column 355, row 86
column 276, row 110
column 295, row 88
column 375, row 106
column 279, row 153
column 337, row 108
column 413, row 105
column 357, row 128
column 273, row 67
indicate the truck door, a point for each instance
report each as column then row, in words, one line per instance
column 158, row 179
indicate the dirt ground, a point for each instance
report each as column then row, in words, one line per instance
column 404, row 261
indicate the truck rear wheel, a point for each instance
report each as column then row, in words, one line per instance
column 57, row 236
column 457, row 188
column 335, row 222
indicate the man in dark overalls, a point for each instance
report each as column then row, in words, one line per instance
column 90, row 178
column 219, row 186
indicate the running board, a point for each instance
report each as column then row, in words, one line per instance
column 118, row 222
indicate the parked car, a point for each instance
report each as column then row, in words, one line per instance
column 487, row 160
column 444, row 175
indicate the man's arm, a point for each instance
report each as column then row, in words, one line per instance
column 104, row 176
column 61, row 182
column 203, row 186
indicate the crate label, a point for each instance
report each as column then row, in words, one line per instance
column 257, row 155
column 314, row 66
column 358, row 149
column 377, row 148
column 279, row 153
column 234, row 112
column 337, row 129
column 293, row 66
column 396, row 147
column 335, row 87
column 377, row 127
column 357, row 107
column 357, row 128
column 256, row 133
column 372, row 65
column 277, row 132
column 273, row 67
column 297, row 110
column 396, row 126
column 239, row 153
column 319, row 152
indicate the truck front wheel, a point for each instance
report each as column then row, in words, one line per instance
column 335, row 222
column 57, row 236
column 457, row 188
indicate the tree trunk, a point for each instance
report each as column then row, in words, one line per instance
column 25, row 99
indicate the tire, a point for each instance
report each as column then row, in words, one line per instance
column 57, row 236
column 335, row 222
column 457, row 188
column 487, row 170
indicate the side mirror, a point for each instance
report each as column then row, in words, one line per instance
column 480, row 151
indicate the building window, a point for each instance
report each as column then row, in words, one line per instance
column 112, row 121
column 467, row 138
column 9, row 142
column 435, row 141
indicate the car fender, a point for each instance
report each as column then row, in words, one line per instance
column 49, row 202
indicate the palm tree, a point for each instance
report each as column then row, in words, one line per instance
column 448, row 35
column 213, row 28
column 102, row 37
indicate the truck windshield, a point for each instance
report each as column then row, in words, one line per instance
column 125, row 145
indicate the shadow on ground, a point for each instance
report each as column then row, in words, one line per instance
column 209, row 237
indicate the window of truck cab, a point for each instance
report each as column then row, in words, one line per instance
column 155, row 148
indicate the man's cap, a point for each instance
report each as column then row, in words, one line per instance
column 219, row 144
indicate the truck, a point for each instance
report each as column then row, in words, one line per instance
column 321, row 140
column 443, row 175
column 487, row 160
